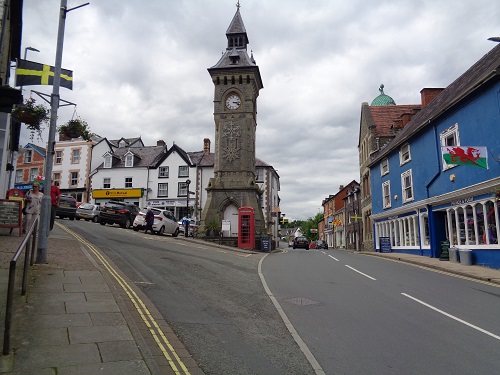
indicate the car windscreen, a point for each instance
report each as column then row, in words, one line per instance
column 87, row 206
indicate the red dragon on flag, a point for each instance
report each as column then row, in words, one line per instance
column 465, row 155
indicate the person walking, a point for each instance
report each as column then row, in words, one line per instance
column 33, row 202
column 55, row 196
column 150, row 218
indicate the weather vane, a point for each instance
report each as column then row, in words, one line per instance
column 238, row 5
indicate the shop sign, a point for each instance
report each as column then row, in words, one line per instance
column 462, row 201
column 117, row 193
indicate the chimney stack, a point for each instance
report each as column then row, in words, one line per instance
column 428, row 94
column 161, row 142
column 206, row 146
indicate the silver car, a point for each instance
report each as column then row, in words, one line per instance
column 165, row 222
column 88, row 212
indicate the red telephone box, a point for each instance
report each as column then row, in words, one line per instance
column 246, row 228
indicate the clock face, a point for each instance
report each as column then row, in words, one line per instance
column 233, row 101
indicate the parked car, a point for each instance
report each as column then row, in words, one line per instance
column 301, row 242
column 312, row 245
column 121, row 213
column 320, row 244
column 66, row 208
column 193, row 225
column 88, row 212
column 165, row 222
column 290, row 243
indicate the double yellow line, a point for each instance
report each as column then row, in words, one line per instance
column 161, row 340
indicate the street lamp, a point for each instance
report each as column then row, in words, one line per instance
column 29, row 49
column 186, row 234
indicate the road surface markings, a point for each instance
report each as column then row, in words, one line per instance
column 334, row 258
column 302, row 345
column 452, row 317
column 361, row 273
column 155, row 330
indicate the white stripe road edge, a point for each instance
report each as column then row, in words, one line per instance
column 452, row 317
column 364, row 274
column 302, row 345
column 334, row 258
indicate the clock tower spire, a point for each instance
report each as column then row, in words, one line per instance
column 237, row 82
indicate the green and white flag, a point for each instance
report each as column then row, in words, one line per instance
column 476, row 156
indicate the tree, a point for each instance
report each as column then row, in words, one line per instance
column 311, row 223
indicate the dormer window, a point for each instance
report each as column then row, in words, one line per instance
column 107, row 161
column 129, row 160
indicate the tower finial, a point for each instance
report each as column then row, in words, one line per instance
column 381, row 89
column 238, row 5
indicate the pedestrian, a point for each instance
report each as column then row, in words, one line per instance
column 55, row 196
column 33, row 203
column 150, row 218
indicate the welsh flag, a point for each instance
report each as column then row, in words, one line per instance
column 466, row 155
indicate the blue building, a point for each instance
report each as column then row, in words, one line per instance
column 429, row 188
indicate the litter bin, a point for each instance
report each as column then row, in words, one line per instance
column 454, row 255
column 465, row 257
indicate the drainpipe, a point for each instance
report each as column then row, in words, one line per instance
column 427, row 185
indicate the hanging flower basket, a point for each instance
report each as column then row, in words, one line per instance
column 75, row 128
column 32, row 115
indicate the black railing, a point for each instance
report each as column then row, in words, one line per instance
column 31, row 234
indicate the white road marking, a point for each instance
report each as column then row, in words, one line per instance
column 452, row 317
column 334, row 258
column 361, row 273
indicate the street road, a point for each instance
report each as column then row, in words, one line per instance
column 356, row 314
column 213, row 299
column 360, row 314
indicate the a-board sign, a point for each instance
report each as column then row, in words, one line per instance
column 265, row 244
column 385, row 245
column 445, row 250
column 10, row 214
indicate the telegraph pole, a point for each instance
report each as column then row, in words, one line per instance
column 43, row 232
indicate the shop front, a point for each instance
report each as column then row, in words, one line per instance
column 101, row 196
column 176, row 206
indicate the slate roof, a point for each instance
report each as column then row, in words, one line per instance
column 484, row 70
column 42, row 151
column 147, row 156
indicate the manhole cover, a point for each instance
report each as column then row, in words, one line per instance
column 301, row 301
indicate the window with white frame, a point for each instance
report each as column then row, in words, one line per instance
column 56, row 177
column 19, row 176
column 407, row 186
column 75, row 156
column 129, row 160
column 128, row 182
column 74, row 179
column 404, row 154
column 182, row 189
column 106, row 183
column 384, row 167
column 33, row 174
column 58, row 157
column 259, row 174
column 449, row 137
column 163, row 190
column 386, row 192
column 163, row 172
column 28, row 156
column 183, row 171
column 107, row 161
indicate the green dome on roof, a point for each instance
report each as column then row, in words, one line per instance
column 383, row 99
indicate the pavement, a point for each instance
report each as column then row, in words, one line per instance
column 82, row 316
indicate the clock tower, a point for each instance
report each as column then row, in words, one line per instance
column 237, row 82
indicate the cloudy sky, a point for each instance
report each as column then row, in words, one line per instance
column 140, row 69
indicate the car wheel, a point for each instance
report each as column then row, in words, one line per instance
column 102, row 222
column 307, row 248
column 95, row 219
column 294, row 247
column 77, row 218
column 72, row 218
column 176, row 233
column 128, row 224
column 161, row 231
column 136, row 229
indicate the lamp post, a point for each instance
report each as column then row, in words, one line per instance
column 18, row 128
column 186, row 229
